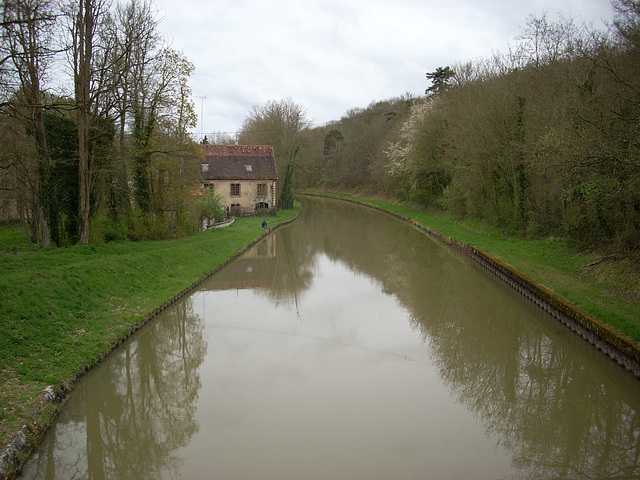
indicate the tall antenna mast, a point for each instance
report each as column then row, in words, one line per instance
column 201, row 115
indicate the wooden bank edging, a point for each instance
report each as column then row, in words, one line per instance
column 604, row 337
column 53, row 398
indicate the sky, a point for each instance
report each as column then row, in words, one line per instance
column 330, row 56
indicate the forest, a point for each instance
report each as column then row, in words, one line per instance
column 539, row 141
column 95, row 114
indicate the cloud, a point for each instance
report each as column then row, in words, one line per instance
column 330, row 56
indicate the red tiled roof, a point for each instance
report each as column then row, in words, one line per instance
column 239, row 162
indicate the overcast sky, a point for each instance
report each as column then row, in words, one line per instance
column 333, row 55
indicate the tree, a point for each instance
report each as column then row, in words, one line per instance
column 28, row 30
column 134, row 27
column 161, row 107
column 606, row 199
column 542, row 42
column 123, row 71
column 350, row 152
column 416, row 162
column 332, row 142
column 440, row 80
column 627, row 22
column 211, row 206
column 285, row 202
column 276, row 123
column 122, row 75
column 85, row 20
column 19, row 180
column 62, row 181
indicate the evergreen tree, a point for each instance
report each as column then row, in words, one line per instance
column 439, row 79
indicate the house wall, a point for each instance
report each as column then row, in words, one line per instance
column 248, row 193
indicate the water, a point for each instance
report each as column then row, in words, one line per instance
column 349, row 346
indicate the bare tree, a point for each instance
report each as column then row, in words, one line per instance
column 150, row 98
column 542, row 41
column 135, row 30
column 85, row 18
column 276, row 123
column 627, row 22
column 28, row 36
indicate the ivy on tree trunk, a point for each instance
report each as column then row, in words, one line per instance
column 286, row 197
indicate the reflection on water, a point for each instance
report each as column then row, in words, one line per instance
column 349, row 345
column 254, row 269
column 127, row 417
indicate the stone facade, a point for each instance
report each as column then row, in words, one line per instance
column 245, row 176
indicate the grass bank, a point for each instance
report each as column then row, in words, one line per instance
column 607, row 287
column 62, row 310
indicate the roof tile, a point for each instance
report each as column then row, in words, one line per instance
column 240, row 162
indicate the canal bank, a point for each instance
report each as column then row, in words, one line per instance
column 348, row 345
column 49, row 397
column 619, row 345
column 113, row 316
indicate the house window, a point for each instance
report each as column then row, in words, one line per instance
column 205, row 167
column 262, row 189
column 235, row 189
column 248, row 168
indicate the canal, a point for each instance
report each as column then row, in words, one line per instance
column 349, row 345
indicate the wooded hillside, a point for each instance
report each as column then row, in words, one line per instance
column 541, row 141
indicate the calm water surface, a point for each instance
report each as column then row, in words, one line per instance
column 349, row 346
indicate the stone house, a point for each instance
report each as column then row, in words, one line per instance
column 245, row 176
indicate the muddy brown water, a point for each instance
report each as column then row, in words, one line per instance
column 349, row 345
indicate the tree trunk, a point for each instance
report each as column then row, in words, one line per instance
column 84, row 41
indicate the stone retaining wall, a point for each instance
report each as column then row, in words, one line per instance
column 604, row 337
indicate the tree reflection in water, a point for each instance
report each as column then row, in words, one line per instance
column 147, row 390
column 560, row 407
